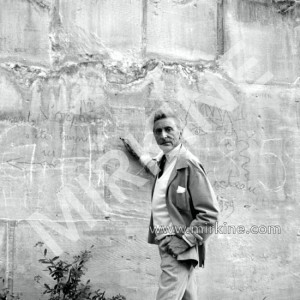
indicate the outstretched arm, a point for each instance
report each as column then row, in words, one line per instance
column 135, row 149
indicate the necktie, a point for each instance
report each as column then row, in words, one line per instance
column 162, row 163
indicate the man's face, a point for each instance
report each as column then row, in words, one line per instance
column 167, row 134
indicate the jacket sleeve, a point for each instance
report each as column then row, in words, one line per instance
column 204, row 205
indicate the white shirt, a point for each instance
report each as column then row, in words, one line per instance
column 161, row 220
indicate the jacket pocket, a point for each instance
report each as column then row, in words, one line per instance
column 181, row 201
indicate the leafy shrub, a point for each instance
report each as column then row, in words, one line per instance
column 67, row 277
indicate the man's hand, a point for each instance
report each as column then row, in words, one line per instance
column 176, row 246
column 136, row 150
column 199, row 238
column 132, row 146
column 164, row 243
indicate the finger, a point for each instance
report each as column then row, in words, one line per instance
column 165, row 241
column 198, row 237
column 162, row 248
column 169, row 250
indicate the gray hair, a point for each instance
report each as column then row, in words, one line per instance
column 164, row 114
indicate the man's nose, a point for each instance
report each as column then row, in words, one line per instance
column 164, row 133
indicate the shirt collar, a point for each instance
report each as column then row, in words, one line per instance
column 173, row 153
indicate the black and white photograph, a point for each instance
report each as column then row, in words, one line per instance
column 149, row 149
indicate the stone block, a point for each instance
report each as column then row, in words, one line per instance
column 101, row 27
column 261, row 44
column 24, row 32
column 184, row 30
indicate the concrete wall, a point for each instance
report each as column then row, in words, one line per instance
column 77, row 75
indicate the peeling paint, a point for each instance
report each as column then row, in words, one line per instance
column 184, row 2
column 286, row 6
column 43, row 4
column 123, row 73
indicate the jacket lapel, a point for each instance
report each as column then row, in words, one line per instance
column 180, row 164
column 153, row 187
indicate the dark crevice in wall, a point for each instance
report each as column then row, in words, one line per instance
column 220, row 27
column 10, row 248
column 55, row 30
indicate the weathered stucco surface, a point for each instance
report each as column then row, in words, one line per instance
column 75, row 76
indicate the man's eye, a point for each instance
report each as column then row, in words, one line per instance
column 168, row 129
column 157, row 131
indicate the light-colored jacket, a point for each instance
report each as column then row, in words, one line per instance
column 191, row 203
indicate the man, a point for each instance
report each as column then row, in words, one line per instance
column 184, row 211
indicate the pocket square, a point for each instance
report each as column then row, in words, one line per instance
column 180, row 189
